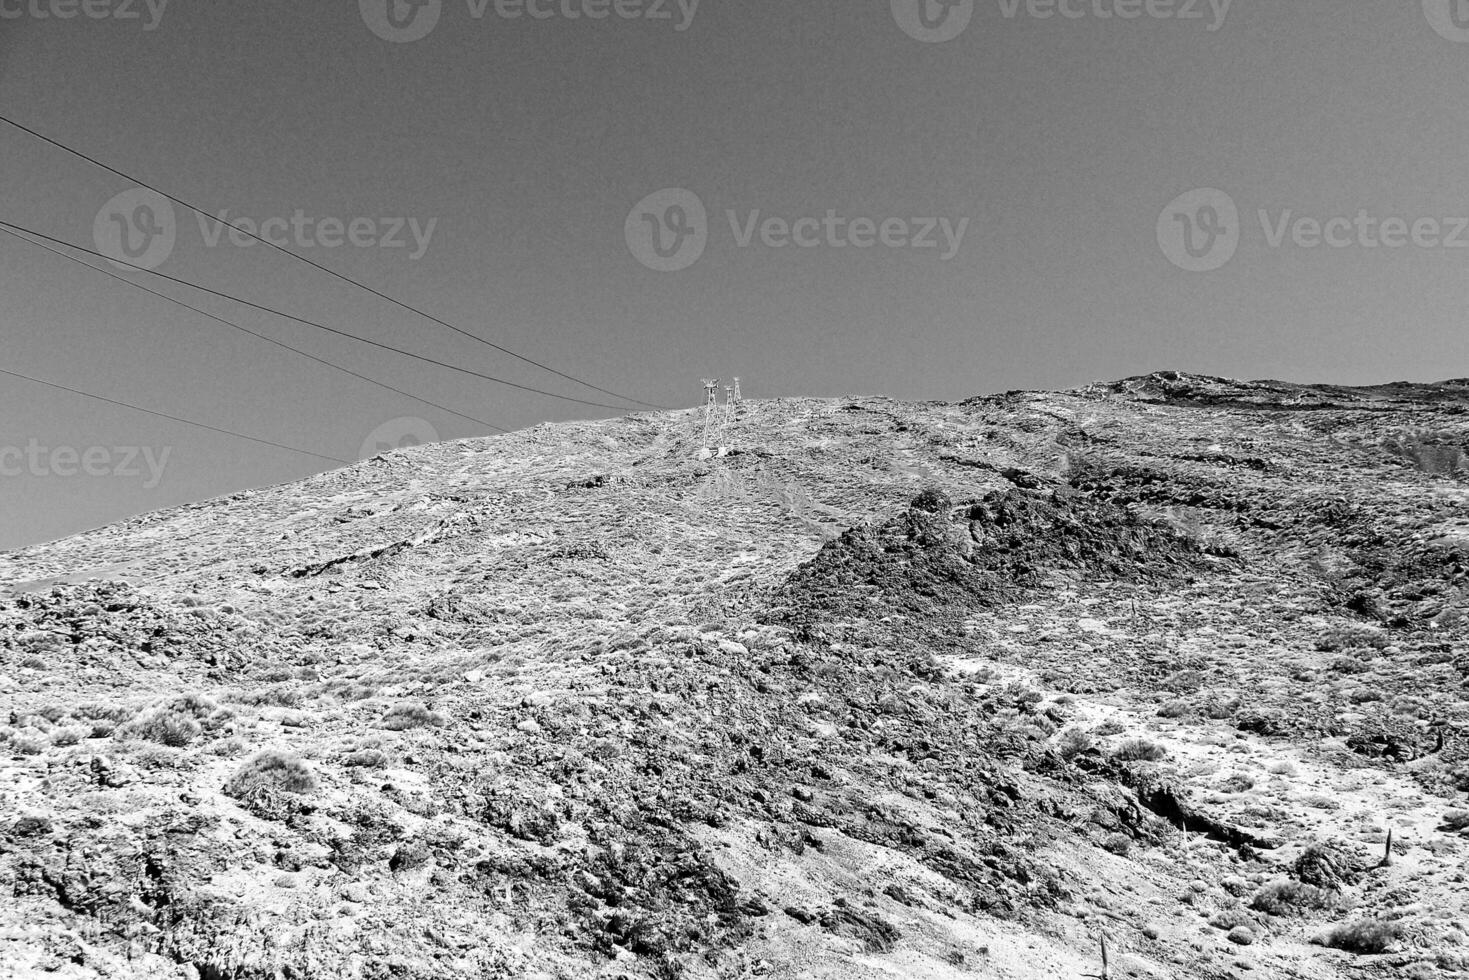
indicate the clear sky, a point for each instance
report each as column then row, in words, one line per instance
column 1048, row 159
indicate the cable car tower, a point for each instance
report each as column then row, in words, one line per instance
column 711, row 405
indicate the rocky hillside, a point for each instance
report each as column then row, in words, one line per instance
column 1170, row 671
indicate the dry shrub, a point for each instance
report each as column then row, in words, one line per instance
column 1365, row 936
column 1236, row 783
column 1139, row 750
column 1290, row 897
column 27, row 744
column 227, row 747
column 270, row 772
column 1231, row 919
column 1074, row 742
column 278, row 695
column 104, row 719
column 164, row 726
column 1174, row 709
column 411, row 714
column 366, row 758
column 70, row 735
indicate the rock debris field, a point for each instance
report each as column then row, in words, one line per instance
column 1170, row 671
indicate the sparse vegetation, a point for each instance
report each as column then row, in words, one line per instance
column 1227, row 919
column 1139, row 750
column 227, row 747
column 412, row 714
column 164, row 726
column 70, row 735
column 1236, row 783
column 25, row 743
column 271, row 772
column 900, row 710
column 1174, row 709
column 1290, row 897
column 1364, row 937
column 1074, row 742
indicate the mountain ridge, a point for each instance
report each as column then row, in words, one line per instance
column 864, row 687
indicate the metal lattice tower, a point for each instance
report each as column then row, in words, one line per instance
column 737, row 398
column 729, row 404
column 711, row 405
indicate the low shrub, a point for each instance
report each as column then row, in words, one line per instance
column 1291, row 897
column 1236, row 783
column 103, row 718
column 1074, row 742
column 1174, row 709
column 411, row 714
column 366, row 758
column 28, row 744
column 270, row 772
column 92, row 711
column 278, row 695
column 1221, row 710
column 1365, row 936
column 196, row 705
column 1231, row 919
column 70, row 735
column 1139, row 750
column 227, row 747
column 164, row 726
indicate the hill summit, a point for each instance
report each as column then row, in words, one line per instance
column 1159, row 678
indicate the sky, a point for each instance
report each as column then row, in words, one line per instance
column 916, row 198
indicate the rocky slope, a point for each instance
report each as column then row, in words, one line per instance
column 1173, row 667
